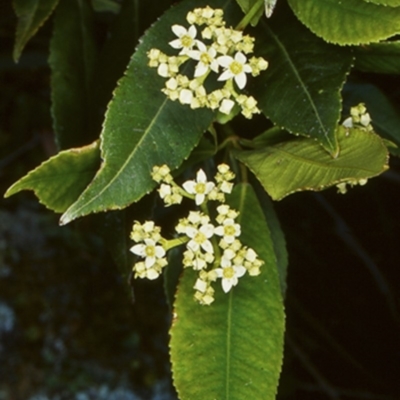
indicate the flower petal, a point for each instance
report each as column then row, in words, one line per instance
column 176, row 44
column 241, row 80
column 207, row 247
column 240, row 57
column 239, row 270
column 189, row 186
column 225, row 61
column 179, row 30
column 227, row 74
column 226, row 285
column 139, row 249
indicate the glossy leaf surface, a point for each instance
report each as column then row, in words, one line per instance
column 390, row 3
column 31, row 14
column 303, row 165
column 142, row 127
column 300, row 90
column 348, row 22
column 383, row 58
column 234, row 347
column 59, row 181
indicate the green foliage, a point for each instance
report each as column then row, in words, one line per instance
column 59, row 181
column 348, row 22
column 232, row 348
column 383, row 58
column 385, row 118
column 256, row 7
column 139, row 132
column 32, row 14
column 237, row 343
column 303, row 165
column 300, row 91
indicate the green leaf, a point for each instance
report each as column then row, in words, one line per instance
column 142, row 127
column 349, row 21
column 385, row 117
column 31, row 14
column 233, row 348
column 255, row 7
column 300, row 90
column 72, row 60
column 303, row 165
column 390, row 3
column 59, row 181
column 383, row 58
column 277, row 235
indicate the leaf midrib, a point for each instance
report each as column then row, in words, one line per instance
column 122, row 168
column 308, row 161
column 299, row 79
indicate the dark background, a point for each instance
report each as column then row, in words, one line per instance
column 69, row 328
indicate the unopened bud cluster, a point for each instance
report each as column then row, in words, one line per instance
column 213, row 247
column 222, row 51
column 359, row 118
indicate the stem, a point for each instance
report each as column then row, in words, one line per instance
column 250, row 15
column 170, row 244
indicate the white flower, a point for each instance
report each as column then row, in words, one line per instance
column 228, row 230
column 200, row 188
column 226, row 106
column 199, row 238
column 186, row 38
column 150, row 251
column 206, row 59
column 185, row 96
column 200, row 285
column 161, row 173
column 228, row 272
column 235, row 68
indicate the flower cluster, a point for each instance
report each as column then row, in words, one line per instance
column 359, row 118
column 212, row 245
column 150, row 247
column 222, row 51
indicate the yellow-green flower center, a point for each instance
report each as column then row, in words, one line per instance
column 200, row 188
column 150, row 251
column 228, row 272
column 229, row 230
column 236, row 67
column 205, row 58
column 200, row 238
column 186, row 41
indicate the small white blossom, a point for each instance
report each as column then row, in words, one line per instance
column 185, row 96
column 200, row 238
column 200, row 188
column 228, row 230
column 235, row 68
column 186, row 38
column 161, row 174
column 169, row 194
column 226, row 106
column 200, row 285
column 150, row 251
column 228, row 272
column 206, row 59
